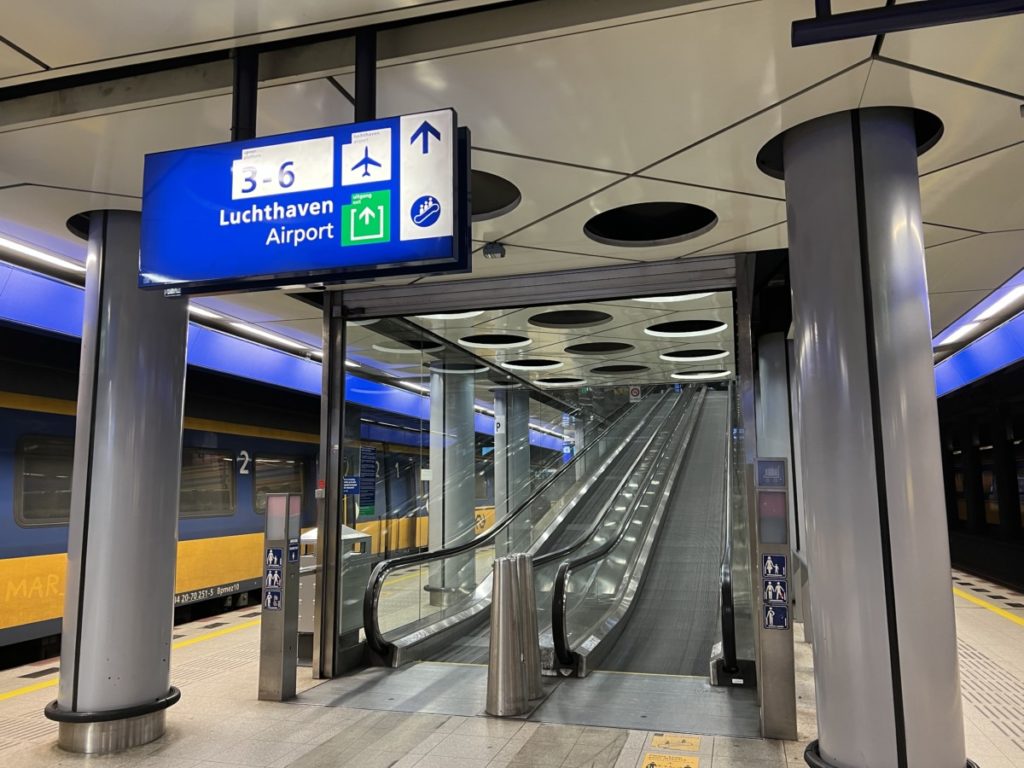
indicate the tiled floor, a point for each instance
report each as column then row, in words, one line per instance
column 219, row 723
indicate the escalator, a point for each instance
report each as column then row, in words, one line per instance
column 674, row 622
column 561, row 517
column 653, row 601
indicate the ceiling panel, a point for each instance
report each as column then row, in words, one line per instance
column 765, row 239
column 520, row 260
column 984, row 194
column 14, row 63
column 939, row 235
column 978, row 263
column 948, row 307
column 728, row 160
column 63, row 33
column 988, row 52
column 545, row 187
column 301, row 107
column 38, row 216
column 622, row 97
column 737, row 215
column 628, row 321
column 956, row 104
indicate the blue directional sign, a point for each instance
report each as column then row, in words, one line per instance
column 773, row 566
column 350, row 485
column 323, row 205
column 775, row 616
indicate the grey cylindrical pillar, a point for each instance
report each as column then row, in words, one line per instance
column 511, row 460
column 452, row 511
column 885, row 663
column 122, row 538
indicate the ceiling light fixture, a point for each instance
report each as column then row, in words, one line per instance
column 268, row 336
column 701, row 375
column 205, row 314
column 349, row 363
column 673, row 299
column 698, row 355
column 38, row 255
column 1008, row 300
column 532, row 364
column 452, row 315
column 960, row 333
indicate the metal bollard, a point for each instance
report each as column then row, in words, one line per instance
column 506, row 673
column 528, row 627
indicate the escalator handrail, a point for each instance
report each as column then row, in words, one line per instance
column 559, row 629
column 727, row 606
column 371, row 598
column 588, row 534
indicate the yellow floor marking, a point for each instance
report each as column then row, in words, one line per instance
column 180, row 644
column 656, row 760
column 677, row 741
column 28, row 689
column 990, row 606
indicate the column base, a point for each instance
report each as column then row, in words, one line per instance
column 814, row 759
column 103, row 733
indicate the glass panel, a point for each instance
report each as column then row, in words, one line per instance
column 990, row 495
column 207, row 483
column 276, row 474
column 43, row 480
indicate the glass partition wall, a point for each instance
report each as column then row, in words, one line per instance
column 440, row 445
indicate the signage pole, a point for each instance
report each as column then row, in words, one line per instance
column 244, row 93
column 327, row 624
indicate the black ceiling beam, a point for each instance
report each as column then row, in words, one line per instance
column 829, row 27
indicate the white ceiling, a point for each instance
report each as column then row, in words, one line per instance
column 671, row 105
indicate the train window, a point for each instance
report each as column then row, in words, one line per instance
column 207, row 483
column 42, row 480
column 276, row 474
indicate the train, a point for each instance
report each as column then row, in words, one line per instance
column 242, row 440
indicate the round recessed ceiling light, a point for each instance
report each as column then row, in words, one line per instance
column 493, row 196
column 495, row 341
column 599, row 348
column 674, row 299
column 532, row 364
column 700, row 375
column 452, row 315
column 457, row 366
column 693, row 355
column 561, row 381
column 408, row 347
column 650, row 224
column 618, row 369
column 570, row 318
column 677, row 329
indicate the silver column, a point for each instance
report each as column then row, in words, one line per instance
column 773, row 439
column 885, row 659
column 122, row 538
column 511, row 461
column 452, row 496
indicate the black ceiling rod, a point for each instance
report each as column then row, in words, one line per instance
column 822, row 8
column 366, row 75
column 244, row 93
column 829, row 28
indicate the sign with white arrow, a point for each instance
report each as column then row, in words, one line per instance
column 368, row 199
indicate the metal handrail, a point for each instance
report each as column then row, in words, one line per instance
column 588, row 534
column 371, row 598
column 728, row 610
column 559, row 630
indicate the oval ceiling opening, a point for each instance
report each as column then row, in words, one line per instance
column 532, row 364
column 599, row 348
column 619, row 369
column 495, row 341
column 693, row 355
column 493, row 196
column 570, row 318
column 641, row 225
